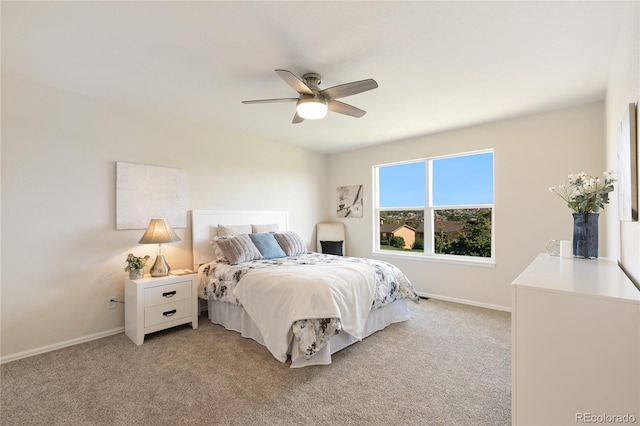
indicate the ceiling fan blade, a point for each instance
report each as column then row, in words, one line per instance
column 264, row 101
column 348, row 89
column 297, row 119
column 293, row 81
column 342, row 108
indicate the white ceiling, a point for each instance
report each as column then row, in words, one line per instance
column 439, row 65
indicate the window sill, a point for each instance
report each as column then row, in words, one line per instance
column 458, row 260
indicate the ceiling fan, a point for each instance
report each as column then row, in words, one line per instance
column 313, row 103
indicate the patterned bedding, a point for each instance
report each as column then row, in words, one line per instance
column 219, row 279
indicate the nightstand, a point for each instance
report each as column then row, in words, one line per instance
column 157, row 303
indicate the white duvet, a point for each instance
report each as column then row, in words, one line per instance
column 275, row 299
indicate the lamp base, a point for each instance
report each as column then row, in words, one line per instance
column 160, row 267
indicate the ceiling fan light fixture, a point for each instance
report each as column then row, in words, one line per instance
column 312, row 108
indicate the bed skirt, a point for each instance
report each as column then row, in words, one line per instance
column 235, row 318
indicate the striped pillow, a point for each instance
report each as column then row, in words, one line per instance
column 292, row 244
column 238, row 249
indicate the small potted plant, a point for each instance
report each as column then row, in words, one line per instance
column 135, row 266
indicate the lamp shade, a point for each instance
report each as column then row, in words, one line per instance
column 158, row 232
column 311, row 108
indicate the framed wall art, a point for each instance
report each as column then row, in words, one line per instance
column 145, row 192
column 349, row 201
column 627, row 173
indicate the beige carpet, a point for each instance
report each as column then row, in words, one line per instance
column 448, row 365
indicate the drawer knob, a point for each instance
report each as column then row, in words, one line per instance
column 169, row 313
column 169, row 294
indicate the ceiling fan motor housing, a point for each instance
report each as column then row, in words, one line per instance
column 312, row 80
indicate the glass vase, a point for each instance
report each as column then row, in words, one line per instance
column 585, row 235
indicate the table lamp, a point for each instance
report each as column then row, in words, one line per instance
column 158, row 232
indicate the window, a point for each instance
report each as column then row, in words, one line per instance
column 439, row 207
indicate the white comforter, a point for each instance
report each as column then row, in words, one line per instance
column 275, row 299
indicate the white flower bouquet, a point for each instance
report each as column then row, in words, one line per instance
column 585, row 193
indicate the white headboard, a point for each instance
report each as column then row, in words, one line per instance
column 204, row 225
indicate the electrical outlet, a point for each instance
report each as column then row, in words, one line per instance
column 111, row 302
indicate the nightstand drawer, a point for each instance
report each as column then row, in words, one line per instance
column 167, row 293
column 168, row 312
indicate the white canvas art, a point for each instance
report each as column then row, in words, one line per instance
column 145, row 192
column 627, row 166
column 349, row 201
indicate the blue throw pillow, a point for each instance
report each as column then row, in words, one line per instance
column 267, row 245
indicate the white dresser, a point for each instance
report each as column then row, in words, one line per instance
column 575, row 327
column 154, row 304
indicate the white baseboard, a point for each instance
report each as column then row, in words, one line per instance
column 60, row 345
column 466, row 302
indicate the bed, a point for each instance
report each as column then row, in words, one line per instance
column 266, row 296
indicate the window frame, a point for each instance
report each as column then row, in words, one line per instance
column 429, row 210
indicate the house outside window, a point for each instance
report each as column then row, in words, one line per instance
column 436, row 208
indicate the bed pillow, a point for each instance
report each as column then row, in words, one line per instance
column 265, row 228
column 216, row 250
column 233, row 230
column 291, row 243
column 238, row 249
column 267, row 245
column 332, row 247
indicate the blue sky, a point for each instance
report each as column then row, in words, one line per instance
column 456, row 181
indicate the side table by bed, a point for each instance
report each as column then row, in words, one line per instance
column 157, row 303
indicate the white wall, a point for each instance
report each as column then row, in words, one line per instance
column 624, row 88
column 61, row 254
column 62, row 257
column 531, row 154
